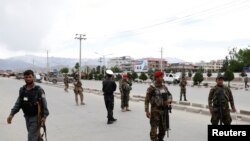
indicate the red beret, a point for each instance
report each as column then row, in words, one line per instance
column 158, row 73
column 125, row 75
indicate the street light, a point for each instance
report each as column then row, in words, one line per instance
column 104, row 63
column 80, row 37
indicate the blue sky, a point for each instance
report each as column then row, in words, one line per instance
column 191, row 30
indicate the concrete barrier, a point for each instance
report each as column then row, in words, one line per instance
column 184, row 103
column 245, row 118
column 178, row 107
column 118, row 96
column 174, row 102
column 245, row 112
column 205, row 112
column 136, row 96
column 142, row 100
column 193, row 110
column 197, row 105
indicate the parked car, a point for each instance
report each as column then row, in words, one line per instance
column 172, row 78
column 38, row 78
column 19, row 75
column 58, row 78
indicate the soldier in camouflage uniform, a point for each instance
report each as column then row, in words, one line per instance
column 66, row 83
column 218, row 99
column 78, row 91
column 246, row 81
column 183, row 85
column 157, row 96
column 125, row 88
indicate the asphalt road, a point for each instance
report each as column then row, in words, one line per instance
column 68, row 122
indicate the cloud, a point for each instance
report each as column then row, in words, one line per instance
column 25, row 23
column 136, row 28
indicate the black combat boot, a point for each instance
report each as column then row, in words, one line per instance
column 113, row 119
column 109, row 121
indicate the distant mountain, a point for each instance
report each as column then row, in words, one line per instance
column 40, row 63
column 17, row 65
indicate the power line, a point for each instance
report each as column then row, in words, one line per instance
column 171, row 20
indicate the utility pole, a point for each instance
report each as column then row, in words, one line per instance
column 33, row 65
column 47, row 62
column 104, row 62
column 161, row 58
column 80, row 37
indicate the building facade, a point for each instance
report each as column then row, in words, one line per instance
column 124, row 63
column 214, row 65
column 145, row 64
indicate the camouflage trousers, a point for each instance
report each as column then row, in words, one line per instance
column 225, row 119
column 156, row 124
column 66, row 87
column 246, row 85
column 183, row 93
column 124, row 100
column 78, row 91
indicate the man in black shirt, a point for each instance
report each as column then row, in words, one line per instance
column 109, row 86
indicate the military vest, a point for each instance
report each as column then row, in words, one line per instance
column 159, row 95
column 126, row 87
column 29, row 100
column 220, row 99
column 78, row 84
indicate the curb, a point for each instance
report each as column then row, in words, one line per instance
column 245, row 112
column 193, row 110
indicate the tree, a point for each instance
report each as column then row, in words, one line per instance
column 189, row 74
column 143, row 76
column 198, row 78
column 129, row 75
column 96, row 76
column 151, row 73
column 209, row 73
column 116, row 69
column 65, row 70
column 93, row 71
column 134, row 75
column 237, row 60
column 228, row 76
column 225, row 64
column 90, row 76
column 77, row 66
column 98, row 69
column 100, row 76
column 118, row 77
